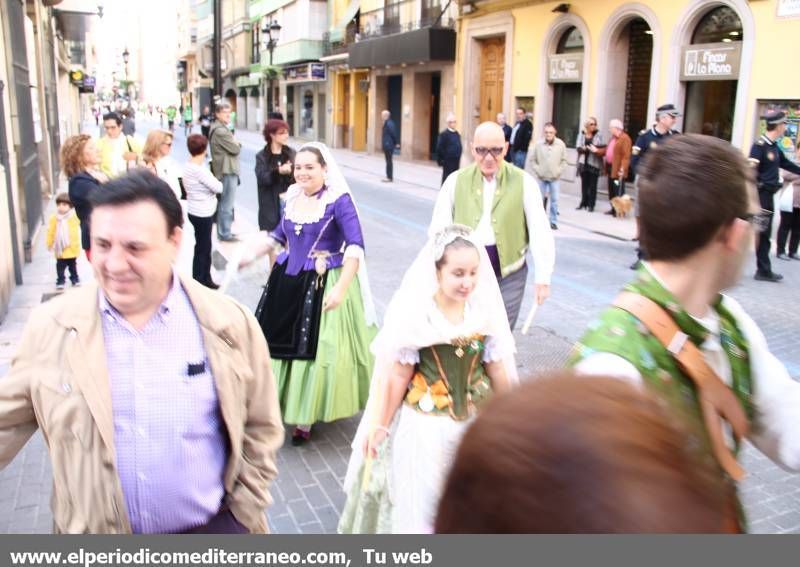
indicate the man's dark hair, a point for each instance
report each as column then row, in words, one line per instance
column 772, row 127
column 689, row 188
column 113, row 116
column 137, row 186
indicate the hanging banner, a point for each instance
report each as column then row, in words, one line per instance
column 711, row 62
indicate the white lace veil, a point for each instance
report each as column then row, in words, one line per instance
column 337, row 185
column 406, row 326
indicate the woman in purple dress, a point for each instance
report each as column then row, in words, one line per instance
column 316, row 311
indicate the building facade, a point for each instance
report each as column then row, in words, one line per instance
column 716, row 60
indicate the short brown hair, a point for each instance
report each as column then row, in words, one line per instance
column 63, row 198
column 689, row 188
column 272, row 127
column 151, row 152
column 196, row 144
column 72, row 161
column 566, row 453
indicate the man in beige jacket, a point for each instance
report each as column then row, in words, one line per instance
column 154, row 394
column 547, row 162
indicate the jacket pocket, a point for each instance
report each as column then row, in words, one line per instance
column 63, row 410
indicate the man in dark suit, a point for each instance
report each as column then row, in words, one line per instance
column 520, row 138
column 389, row 142
column 501, row 120
column 448, row 148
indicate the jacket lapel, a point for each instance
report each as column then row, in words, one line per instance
column 87, row 358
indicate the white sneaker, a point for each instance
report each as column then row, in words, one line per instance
column 60, row 286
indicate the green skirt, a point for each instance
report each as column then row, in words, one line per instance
column 335, row 384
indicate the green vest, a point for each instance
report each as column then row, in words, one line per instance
column 618, row 332
column 508, row 213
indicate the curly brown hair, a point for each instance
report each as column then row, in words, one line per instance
column 72, row 160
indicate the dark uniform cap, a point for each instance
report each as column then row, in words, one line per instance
column 668, row 109
column 774, row 117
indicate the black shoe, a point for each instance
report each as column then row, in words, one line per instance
column 782, row 256
column 300, row 436
column 579, row 207
column 211, row 285
column 553, row 226
column 635, row 265
column 590, row 209
column 768, row 277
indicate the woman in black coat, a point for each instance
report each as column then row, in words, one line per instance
column 274, row 173
column 80, row 161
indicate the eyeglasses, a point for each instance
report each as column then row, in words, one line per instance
column 482, row 151
column 760, row 220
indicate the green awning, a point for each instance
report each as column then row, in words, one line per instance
column 337, row 33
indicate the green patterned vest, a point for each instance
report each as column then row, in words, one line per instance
column 452, row 377
column 508, row 213
column 618, row 332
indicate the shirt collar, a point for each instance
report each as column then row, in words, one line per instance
column 767, row 140
column 164, row 310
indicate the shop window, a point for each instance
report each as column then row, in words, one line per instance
column 719, row 25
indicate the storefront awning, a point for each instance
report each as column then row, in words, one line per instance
column 337, row 33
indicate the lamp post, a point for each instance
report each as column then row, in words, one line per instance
column 271, row 31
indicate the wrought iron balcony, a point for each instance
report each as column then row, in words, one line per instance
column 405, row 16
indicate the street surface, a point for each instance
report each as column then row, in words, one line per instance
column 590, row 269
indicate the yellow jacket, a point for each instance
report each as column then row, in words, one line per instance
column 74, row 248
column 59, row 382
column 106, row 147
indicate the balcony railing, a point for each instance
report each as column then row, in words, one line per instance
column 405, row 16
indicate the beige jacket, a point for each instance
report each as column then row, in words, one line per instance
column 224, row 151
column 59, row 382
column 548, row 161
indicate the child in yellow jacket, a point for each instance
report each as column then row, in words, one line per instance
column 64, row 238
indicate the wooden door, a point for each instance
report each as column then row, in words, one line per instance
column 492, row 72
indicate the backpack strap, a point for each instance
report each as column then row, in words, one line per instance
column 717, row 401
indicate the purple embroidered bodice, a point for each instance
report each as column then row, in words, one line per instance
column 341, row 229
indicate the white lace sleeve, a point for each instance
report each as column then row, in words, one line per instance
column 408, row 356
column 494, row 352
column 354, row 251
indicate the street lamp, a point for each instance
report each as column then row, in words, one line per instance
column 272, row 32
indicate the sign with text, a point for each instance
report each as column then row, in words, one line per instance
column 304, row 73
column 565, row 68
column 711, row 62
column 789, row 8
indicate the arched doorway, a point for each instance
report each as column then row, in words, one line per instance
column 230, row 96
column 628, row 64
column 566, row 77
column 710, row 69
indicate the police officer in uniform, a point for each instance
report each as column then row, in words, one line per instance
column 666, row 116
column 768, row 159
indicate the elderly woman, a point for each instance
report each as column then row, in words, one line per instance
column 274, row 173
column 156, row 158
column 80, row 162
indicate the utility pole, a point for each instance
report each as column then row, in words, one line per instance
column 217, row 49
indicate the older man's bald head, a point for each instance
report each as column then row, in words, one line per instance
column 489, row 147
column 487, row 133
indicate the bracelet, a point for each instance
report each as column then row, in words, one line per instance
column 381, row 428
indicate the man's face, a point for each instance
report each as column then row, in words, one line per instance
column 132, row 255
column 781, row 130
column 451, row 123
column 667, row 121
column 488, row 143
column 501, row 120
column 224, row 115
column 520, row 115
column 549, row 134
column 113, row 130
column 385, row 116
column 615, row 131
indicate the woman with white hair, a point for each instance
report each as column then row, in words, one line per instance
column 448, row 148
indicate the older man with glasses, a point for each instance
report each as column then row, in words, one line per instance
column 503, row 205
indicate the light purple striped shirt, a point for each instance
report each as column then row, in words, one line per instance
column 171, row 442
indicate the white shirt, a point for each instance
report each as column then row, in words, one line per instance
column 119, row 147
column 541, row 242
column 775, row 430
column 201, row 189
column 168, row 170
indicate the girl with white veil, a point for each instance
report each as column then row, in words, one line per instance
column 317, row 316
column 444, row 348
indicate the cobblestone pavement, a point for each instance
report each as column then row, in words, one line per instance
column 308, row 496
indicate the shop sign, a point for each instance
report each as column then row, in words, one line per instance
column 566, row 68
column 88, row 84
column 789, row 8
column 711, row 62
column 76, row 77
column 304, row 73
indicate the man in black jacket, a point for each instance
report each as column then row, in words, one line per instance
column 448, row 148
column 389, row 142
column 520, row 138
column 768, row 159
column 501, row 120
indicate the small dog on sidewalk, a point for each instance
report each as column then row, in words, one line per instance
column 622, row 205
